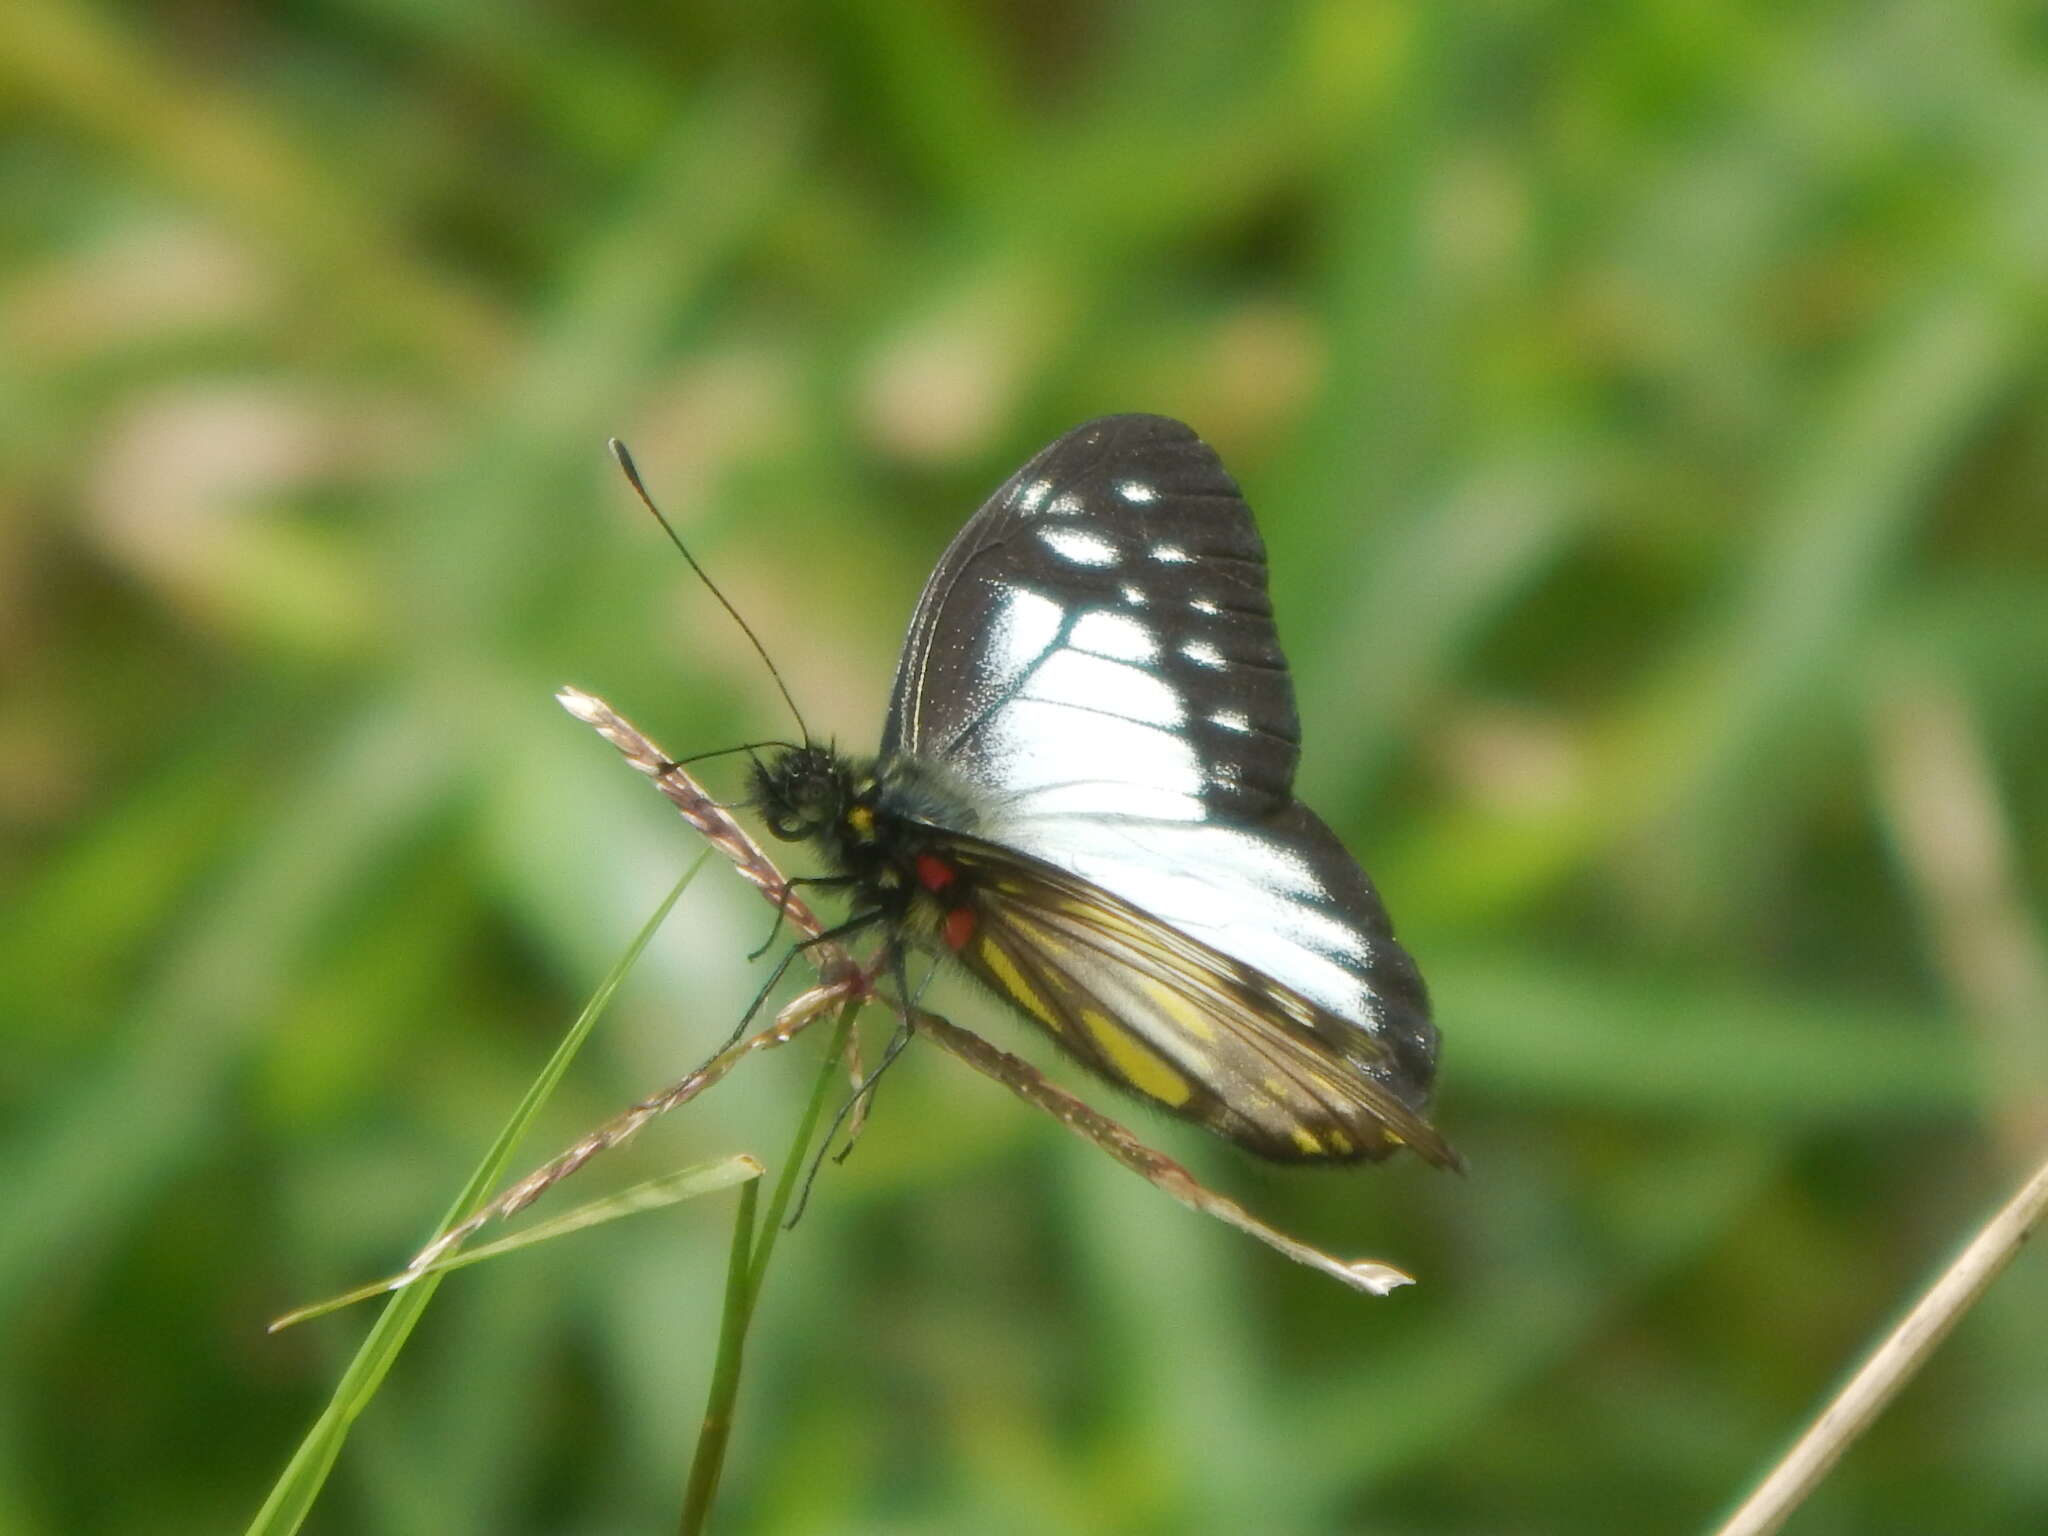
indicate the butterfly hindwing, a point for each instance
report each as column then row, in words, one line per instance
column 1179, row 1022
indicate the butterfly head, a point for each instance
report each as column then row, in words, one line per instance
column 804, row 793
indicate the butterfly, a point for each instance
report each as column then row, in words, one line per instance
column 1085, row 796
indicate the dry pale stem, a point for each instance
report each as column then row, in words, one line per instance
column 1892, row 1364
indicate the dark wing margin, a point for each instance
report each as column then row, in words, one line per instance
column 1183, row 1025
column 1127, row 526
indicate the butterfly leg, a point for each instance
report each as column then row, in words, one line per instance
column 860, row 1097
column 789, row 886
column 863, row 1099
column 856, row 924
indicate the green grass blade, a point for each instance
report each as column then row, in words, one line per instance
column 651, row 1195
column 292, row 1496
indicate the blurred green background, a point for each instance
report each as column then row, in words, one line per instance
column 1646, row 410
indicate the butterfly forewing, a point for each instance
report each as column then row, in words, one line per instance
column 1098, row 638
column 1094, row 660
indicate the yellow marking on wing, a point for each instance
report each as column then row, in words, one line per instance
column 1022, row 920
column 1185, row 1013
column 1339, row 1143
column 1020, row 990
column 1142, row 1067
column 1306, row 1139
column 862, row 820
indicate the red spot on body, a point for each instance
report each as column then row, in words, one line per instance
column 959, row 927
column 934, row 873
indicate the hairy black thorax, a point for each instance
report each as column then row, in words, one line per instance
column 878, row 823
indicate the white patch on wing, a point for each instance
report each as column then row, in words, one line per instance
column 1023, row 628
column 1135, row 597
column 1115, row 635
column 1137, row 492
column 1061, row 761
column 1232, row 720
column 1081, row 548
column 1171, row 554
column 1202, row 653
column 1098, row 686
column 1025, row 625
column 1203, row 605
column 1033, row 495
column 1080, row 731
column 1254, row 899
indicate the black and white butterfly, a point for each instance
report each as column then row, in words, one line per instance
column 1085, row 795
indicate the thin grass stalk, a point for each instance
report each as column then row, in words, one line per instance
column 707, row 1464
column 744, row 1277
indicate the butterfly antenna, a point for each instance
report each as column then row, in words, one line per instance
column 632, row 473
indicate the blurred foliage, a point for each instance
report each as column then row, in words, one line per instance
column 1646, row 411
